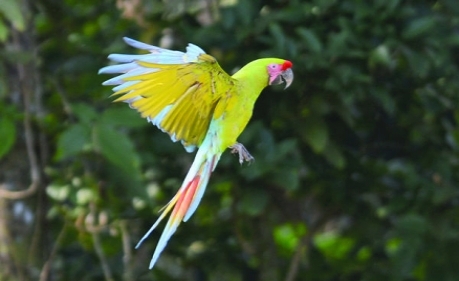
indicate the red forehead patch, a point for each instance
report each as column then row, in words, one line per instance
column 286, row 65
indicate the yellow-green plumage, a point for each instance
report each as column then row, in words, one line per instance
column 191, row 98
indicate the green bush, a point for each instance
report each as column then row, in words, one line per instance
column 356, row 172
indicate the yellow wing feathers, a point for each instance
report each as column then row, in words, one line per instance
column 178, row 98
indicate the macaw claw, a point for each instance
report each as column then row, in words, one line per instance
column 244, row 154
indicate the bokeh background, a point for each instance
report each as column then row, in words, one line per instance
column 357, row 164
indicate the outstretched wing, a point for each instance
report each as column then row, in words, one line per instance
column 175, row 91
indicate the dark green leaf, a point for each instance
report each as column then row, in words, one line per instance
column 117, row 148
column 316, row 133
column 312, row 41
column 253, row 201
column 123, row 116
column 84, row 112
column 419, row 27
column 7, row 135
column 72, row 141
column 334, row 156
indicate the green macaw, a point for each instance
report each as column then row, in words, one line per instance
column 190, row 97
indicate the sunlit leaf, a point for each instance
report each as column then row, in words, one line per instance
column 380, row 56
column 3, row 32
column 85, row 195
column 364, row 254
column 333, row 245
column 58, row 192
column 287, row 236
column 11, row 10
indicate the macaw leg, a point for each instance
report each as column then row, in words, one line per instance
column 242, row 151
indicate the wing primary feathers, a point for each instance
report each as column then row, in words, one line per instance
column 181, row 107
column 137, row 44
column 118, row 68
column 158, row 118
column 123, row 86
column 121, row 78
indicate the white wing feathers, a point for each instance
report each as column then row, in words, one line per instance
column 157, row 55
column 130, row 67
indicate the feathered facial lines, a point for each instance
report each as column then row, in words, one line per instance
column 279, row 73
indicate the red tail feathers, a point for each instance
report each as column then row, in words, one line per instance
column 185, row 201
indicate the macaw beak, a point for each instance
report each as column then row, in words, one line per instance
column 285, row 76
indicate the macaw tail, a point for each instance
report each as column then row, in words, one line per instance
column 186, row 200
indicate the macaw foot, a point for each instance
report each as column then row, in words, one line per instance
column 243, row 153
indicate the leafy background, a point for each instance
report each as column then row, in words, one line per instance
column 356, row 173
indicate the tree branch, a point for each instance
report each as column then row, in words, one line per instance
column 127, row 250
column 95, row 233
column 26, row 92
column 44, row 274
column 296, row 259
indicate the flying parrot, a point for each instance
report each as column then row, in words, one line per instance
column 190, row 97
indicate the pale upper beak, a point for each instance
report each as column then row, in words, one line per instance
column 287, row 76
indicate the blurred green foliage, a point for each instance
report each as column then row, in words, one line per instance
column 357, row 164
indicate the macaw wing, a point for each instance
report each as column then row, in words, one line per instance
column 175, row 91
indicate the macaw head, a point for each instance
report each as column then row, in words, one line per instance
column 280, row 72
